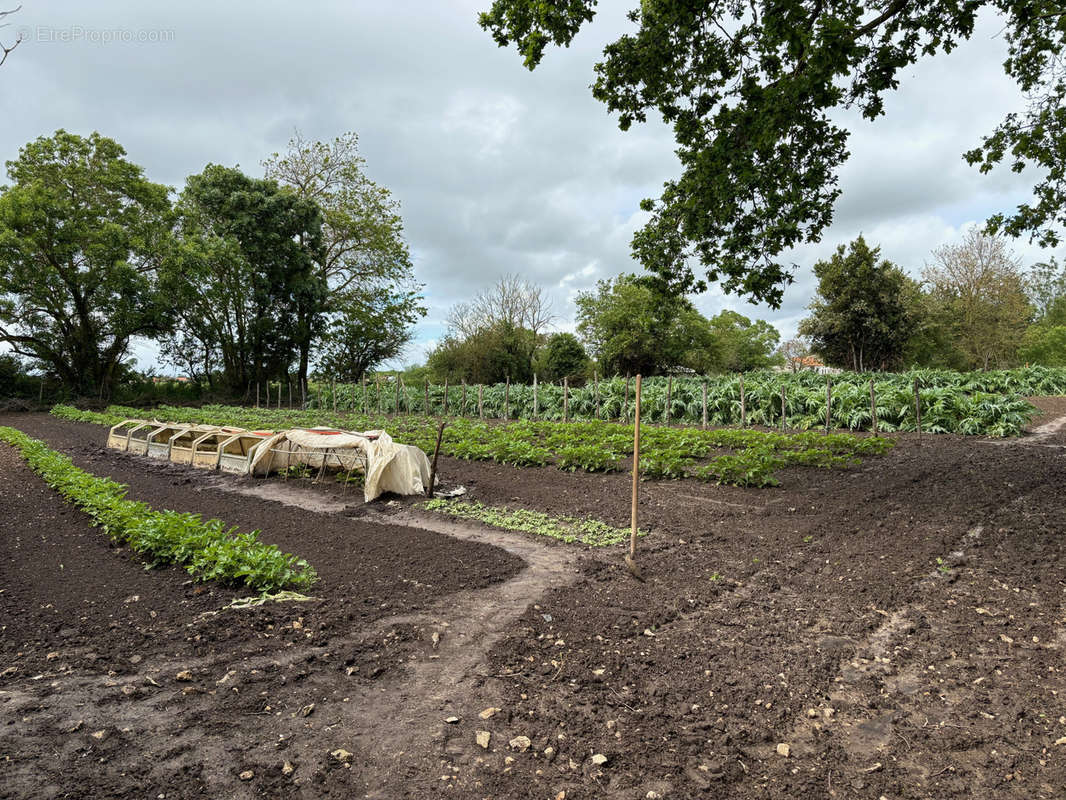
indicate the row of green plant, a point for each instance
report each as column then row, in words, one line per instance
column 591, row 532
column 666, row 452
column 972, row 403
column 207, row 549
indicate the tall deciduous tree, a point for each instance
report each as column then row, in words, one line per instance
column 744, row 344
column 861, row 317
column 980, row 285
column 753, row 92
column 81, row 230
column 242, row 276
column 631, row 327
column 364, row 260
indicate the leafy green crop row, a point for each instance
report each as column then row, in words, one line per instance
column 590, row 532
column 590, row 446
column 973, row 403
column 207, row 550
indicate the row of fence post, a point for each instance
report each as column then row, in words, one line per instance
column 401, row 390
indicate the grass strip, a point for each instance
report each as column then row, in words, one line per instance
column 207, row 549
column 571, row 530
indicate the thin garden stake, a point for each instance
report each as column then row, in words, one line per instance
column 257, row 394
column 917, row 411
column 566, row 400
column 396, row 393
column 462, row 411
column 333, row 389
column 631, row 556
column 669, row 387
column 366, row 399
column 290, row 394
column 873, row 407
column 377, row 391
column 425, row 404
column 782, row 408
column 535, row 407
column 596, row 381
column 433, row 465
column 705, row 404
column 445, row 395
column 507, row 399
column 828, row 402
column 267, row 403
column 625, row 405
column 743, row 407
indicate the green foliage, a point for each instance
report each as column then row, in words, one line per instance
column 81, row 230
column 1044, row 345
column 207, row 549
column 590, row 532
column 754, row 91
column 590, row 446
column 564, row 357
column 243, row 278
column 743, row 344
column 862, row 315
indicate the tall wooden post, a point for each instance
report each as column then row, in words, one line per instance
column 596, row 384
column 425, row 400
column 917, row 410
column 267, row 403
column 743, row 406
column 377, row 390
column 535, row 406
column 445, row 412
column 625, row 404
column 279, row 395
column 783, row 412
column 366, row 398
column 462, row 411
column 705, row 405
column 290, row 394
column 631, row 558
column 507, row 398
column 669, row 388
column 828, row 403
column 396, row 394
column 481, row 400
column 873, row 407
column 257, row 394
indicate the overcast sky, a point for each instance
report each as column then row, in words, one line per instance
column 498, row 170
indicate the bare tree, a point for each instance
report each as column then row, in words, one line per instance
column 512, row 301
column 981, row 284
column 794, row 351
column 4, row 49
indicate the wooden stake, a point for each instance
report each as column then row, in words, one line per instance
column 333, row 389
column 535, row 407
column 433, row 465
column 445, row 395
column 507, row 399
column 873, row 407
column 743, row 407
column 267, row 404
column 705, row 404
column 290, row 395
column 625, row 405
column 631, row 558
column 279, row 395
column 462, row 411
column 480, row 400
column 366, row 398
column 828, row 402
column 669, row 388
column 257, row 394
column 783, row 413
column 425, row 405
column 396, row 394
column 917, row 411
column 566, row 400
column 596, row 382
column 377, row 391
column 303, row 393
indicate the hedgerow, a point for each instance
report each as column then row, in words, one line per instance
column 207, row 549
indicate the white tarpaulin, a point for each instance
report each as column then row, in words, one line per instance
column 390, row 467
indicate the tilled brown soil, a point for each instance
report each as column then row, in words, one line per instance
column 891, row 631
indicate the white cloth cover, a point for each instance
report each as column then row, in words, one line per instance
column 390, row 467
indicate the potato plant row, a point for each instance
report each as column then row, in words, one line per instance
column 207, row 549
column 725, row 456
column 971, row 403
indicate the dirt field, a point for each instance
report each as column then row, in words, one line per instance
column 891, row 631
